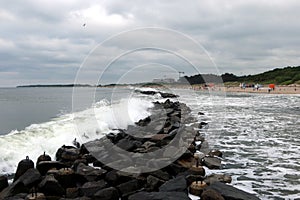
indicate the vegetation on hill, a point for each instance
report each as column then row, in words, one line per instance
column 283, row 76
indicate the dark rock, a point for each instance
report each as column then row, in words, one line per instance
column 215, row 152
column 66, row 177
column 112, row 177
column 3, row 182
column 72, row 192
column 160, row 174
column 43, row 157
column 23, row 166
column 212, row 162
column 50, row 186
column 126, row 144
column 90, row 188
column 45, row 166
column 159, row 196
column 35, row 196
column 143, row 122
column 78, row 198
column 218, row 178
column 177, row 184
column 167, row 95
column 230, row 192
column 154, row 183
column 201, row 113
column 90, row 173
column 110, row 193
column 30, row 178
column 129, row 188
column 24, row 183
column 211, row 195
column 67, row 154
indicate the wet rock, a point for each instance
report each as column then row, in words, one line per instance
column 3, row 182
column 23, row 166
column 215, row 152
column 90, row 188
column 67, row 154
column 212, row 162
column 211, row 195
column 45, row 166
column 90, row 173
column 218, row 178
column 43, row 157
column 30, row 178
column 159, row 196
column 35, row 196
column 66, row 177
column 110, row 193
column 126, row 144
column 112, row 177
column 177, row 184
column 129, row 188
column 167, row 95
column 230, row 192
column 50, row 186
column 72, row 193
column 154, row 183
column 161, row 175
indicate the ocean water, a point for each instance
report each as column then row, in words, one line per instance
column 259, row 134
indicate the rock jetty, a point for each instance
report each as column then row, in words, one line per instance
column 177, row 170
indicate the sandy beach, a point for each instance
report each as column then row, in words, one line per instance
column 277, row 90
column 295, row 89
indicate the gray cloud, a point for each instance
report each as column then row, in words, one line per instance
column 46, row 42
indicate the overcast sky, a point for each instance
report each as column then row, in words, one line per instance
column 47, row 41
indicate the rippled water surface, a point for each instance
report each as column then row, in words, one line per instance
column 259, row 135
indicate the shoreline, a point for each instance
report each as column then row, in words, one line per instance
column 76, row 173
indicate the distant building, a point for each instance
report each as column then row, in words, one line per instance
column 163, row 80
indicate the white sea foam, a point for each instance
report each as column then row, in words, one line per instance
column 49, row 136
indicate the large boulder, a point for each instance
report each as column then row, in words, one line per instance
column 212, row 162
column 211, row 195
column 159, row 196
column 51, row 187
column 23, row 166
column 3, row 182
column 129, row 188
column 231, row 193
column 43, row 157
column 90, row 188
column 45, row 166
column 90, row 173
column 177, row 184
column 24, row 183
column 218, row 178
column 110, row 193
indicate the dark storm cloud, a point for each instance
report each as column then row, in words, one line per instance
column 45, row 41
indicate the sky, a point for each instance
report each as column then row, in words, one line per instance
column 45, row 42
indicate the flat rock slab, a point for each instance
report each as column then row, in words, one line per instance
column 159, row 196
column 231, row 193
column 177, row 184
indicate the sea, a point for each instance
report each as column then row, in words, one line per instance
column 257, row 133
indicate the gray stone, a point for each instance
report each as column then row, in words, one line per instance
column 110, row 193
column 177, row 184
column 212, row 162
column 159, row 196
column 231, row 193
column 90, row 188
